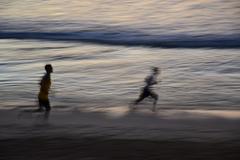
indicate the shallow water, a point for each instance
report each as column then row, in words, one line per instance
column 102, row 75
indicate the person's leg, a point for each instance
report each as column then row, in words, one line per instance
column 144, row 94
column 155, row 97
column 40, row 104
column 47, row 105
column 140, row 98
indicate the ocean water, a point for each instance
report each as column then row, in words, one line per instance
column 101, row 51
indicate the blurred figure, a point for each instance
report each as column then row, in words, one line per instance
column 45, row 85
column 148, row 88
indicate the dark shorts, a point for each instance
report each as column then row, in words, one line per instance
column 44, row 103
column 147, row 92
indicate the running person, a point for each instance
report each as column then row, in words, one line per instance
column 148, row 89
column 45, row 85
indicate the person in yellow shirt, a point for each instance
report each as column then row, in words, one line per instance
column 45, row 85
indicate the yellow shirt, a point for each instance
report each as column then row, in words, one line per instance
column 45, row 85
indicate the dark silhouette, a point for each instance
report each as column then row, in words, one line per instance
column 45, row 85
column 148, row 90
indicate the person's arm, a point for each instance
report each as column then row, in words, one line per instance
column 150, row 80
column 41, row 81
column 154, row 80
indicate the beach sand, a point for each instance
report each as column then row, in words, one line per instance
column 103, row 135
column 102, row 148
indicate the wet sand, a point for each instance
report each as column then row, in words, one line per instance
column 102, row 148
column 142, row 135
